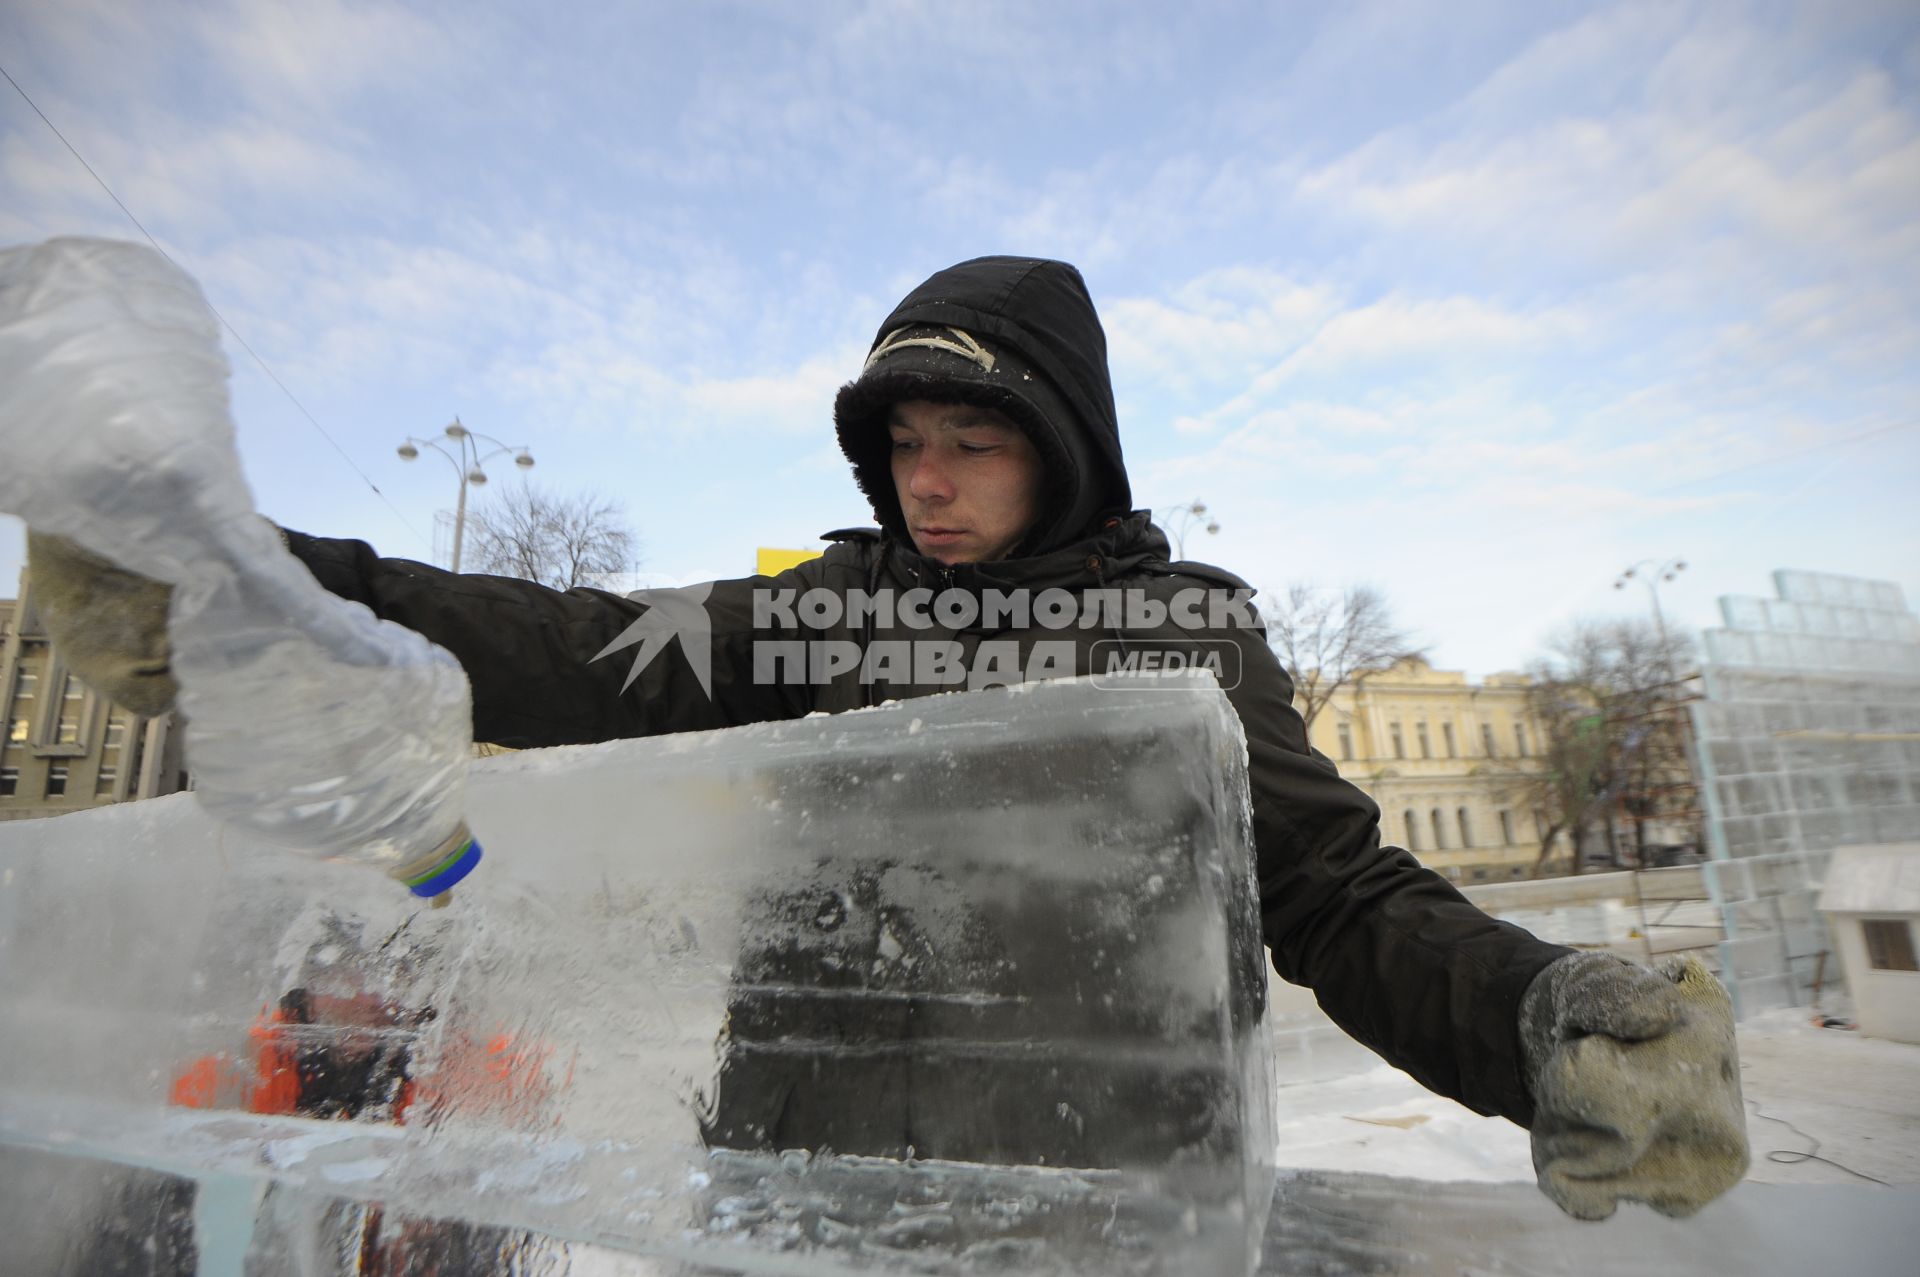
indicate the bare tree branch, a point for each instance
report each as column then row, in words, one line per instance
column 1326, row 640
column 559, row 541
column 1608, row 700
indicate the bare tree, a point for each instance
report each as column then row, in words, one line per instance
column 1609, row 704
column 559, row 541
column 1326, row 640
column 1572, row 781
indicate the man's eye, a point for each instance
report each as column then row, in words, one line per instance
column 979, row 449
column 904, row 445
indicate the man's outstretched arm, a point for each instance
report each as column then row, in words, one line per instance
column 547, row 667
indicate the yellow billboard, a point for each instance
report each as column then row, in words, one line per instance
column 770, row 562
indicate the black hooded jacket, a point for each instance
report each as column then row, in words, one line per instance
column 1394, row 954
column 1037, row 324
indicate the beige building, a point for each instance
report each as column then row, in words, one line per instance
column 1443, row 758
column 65, row 747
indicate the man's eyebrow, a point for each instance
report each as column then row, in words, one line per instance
column 964, row 418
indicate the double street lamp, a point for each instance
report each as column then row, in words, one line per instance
column 1652, row 574
column 1179, row 520
column 467, row 460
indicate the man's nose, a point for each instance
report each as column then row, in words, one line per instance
column 929, row 480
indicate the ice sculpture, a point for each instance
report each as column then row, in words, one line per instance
column 969, row 982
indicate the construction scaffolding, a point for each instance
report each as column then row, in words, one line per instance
column 1807, row 739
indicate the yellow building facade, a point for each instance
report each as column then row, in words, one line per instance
column 63, row 746
column 1444, row 758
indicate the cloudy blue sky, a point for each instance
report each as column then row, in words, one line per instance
column 1475, row 302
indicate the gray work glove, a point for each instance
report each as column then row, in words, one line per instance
column 110, row 625
column 1636, row 1085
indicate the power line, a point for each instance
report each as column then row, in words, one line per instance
column 271, row 375
column 1787, row 456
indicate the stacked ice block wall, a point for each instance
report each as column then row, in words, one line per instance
column 1808, row 739
column 992, row 960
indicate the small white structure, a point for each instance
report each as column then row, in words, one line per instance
column 1872, row 899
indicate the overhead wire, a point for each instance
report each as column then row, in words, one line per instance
column 1788, row 456
column 225, row 323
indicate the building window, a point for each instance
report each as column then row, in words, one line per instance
column 9, row 781
column 1486, row 739
column 24, row 685
column 1426, row 745
column 1346, row 742
column 56, row 780
column 1413, row 830
column 1399, row 744
column 1520, row 739
column 103, row 785
column 136, row 755
column 1506, row 828
column 1446, row 734
column 1439, row 831
column 1466, row 830
column 1889, row 944
column 72, row 698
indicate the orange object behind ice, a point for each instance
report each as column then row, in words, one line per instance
column 352, row 1058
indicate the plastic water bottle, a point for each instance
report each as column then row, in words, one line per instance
column 309, row 721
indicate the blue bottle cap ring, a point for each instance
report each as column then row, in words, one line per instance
column 444, row 873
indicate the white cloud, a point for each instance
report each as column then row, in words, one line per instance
column 1395, row 343
column 797, row 401
column 1401, row 329
column 1713, row 130
column 1225, row 324
column 266, row 125
column 322, row 52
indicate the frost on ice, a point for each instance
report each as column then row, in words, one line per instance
column 787, row 997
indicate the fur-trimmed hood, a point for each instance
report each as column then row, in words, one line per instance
column 1015, row 333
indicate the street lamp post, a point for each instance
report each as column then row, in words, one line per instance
column 1654, row 573
column 1180, row 519
column 468, row 461
column 1660, row 573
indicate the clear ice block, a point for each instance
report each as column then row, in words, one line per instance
column 969, row 982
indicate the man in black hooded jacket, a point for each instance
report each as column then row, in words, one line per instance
column 1476, row 1009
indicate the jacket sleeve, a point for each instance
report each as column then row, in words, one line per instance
column 533, row 654
column 1394, row 954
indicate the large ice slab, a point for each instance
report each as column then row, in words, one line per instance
column 991, row 960
column 1337, row 1224
column 70, row 1215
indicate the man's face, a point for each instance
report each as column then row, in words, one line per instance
column 969, row 480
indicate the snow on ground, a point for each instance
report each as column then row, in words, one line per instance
column 1851, row 1099
column 1858, row 1097
column 1382, row 1121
